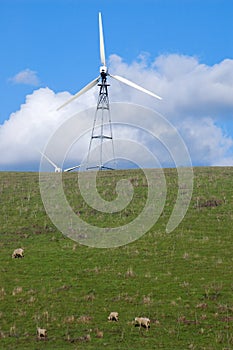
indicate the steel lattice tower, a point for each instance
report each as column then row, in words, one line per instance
column 102, row 128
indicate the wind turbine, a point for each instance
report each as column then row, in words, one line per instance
column 103, row 101
column 57, row 169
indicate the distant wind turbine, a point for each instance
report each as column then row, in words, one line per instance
column 57, row 169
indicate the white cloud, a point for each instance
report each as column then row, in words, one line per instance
column 185, row 85
column 207, row 143
column 196, row 99
column 27, row 77
column 28, row 130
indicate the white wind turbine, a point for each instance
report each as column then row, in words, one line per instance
column 57, row 169
column 103, row 101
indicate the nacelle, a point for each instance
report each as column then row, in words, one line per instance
column 103, row 69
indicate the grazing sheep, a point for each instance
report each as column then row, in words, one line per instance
column 18, row 253
column 113, row 316
column 142, row 322
column 41, row 333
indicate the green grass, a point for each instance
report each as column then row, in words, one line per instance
column 182, row 281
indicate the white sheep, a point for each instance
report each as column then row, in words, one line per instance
column 41, row 333
column 18, row 253
column 113, row 316
column 142, row 322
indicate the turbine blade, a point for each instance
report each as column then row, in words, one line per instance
column 82, row 91
column 72, row 168
column 130, row 83
column 102, row 51
column 49, row 160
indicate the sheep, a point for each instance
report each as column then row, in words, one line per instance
column 142, row 322
column 18, row 253
column 41, row 333
column 113, row 316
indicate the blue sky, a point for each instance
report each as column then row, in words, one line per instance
column 54, row 45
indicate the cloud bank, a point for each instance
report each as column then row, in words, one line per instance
column 197, row 100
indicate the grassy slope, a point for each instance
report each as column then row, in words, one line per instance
column 182, row 281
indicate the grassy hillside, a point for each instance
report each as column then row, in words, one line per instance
column 182, row 281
